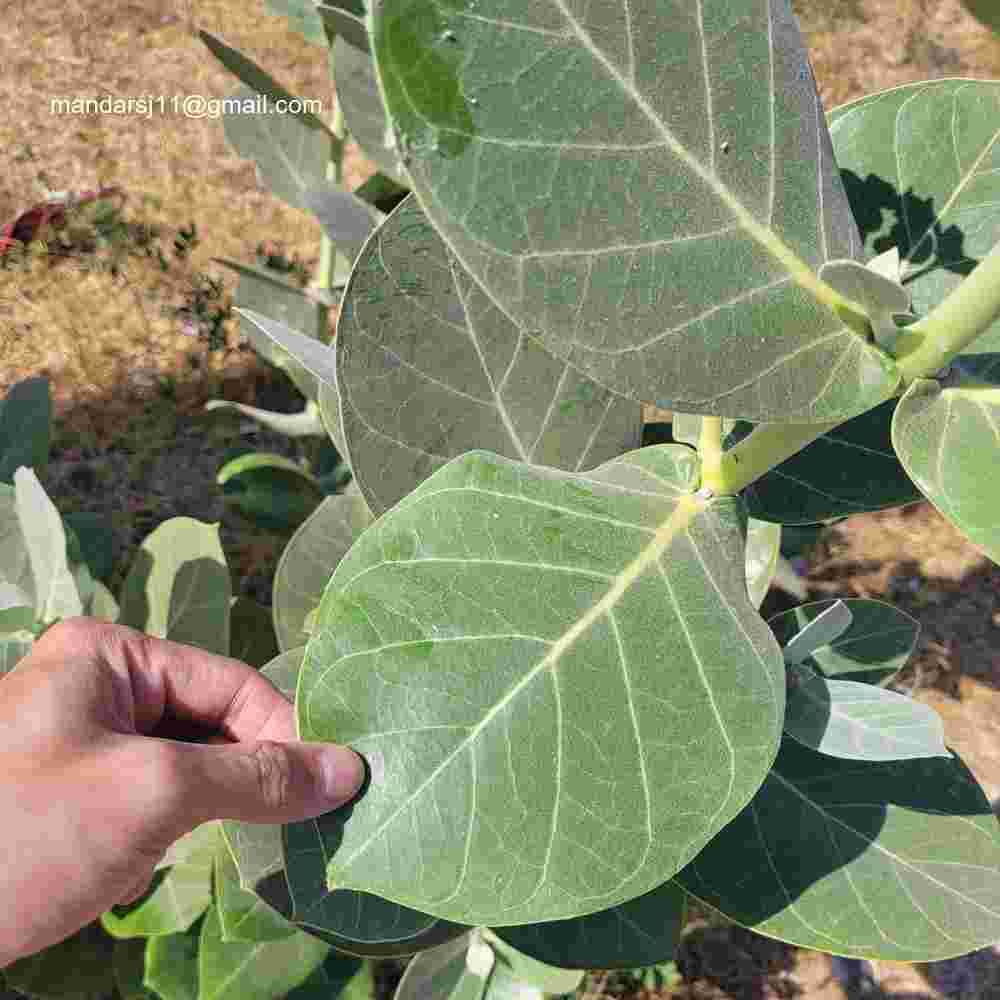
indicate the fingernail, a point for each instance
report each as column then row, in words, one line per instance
column 343, row 773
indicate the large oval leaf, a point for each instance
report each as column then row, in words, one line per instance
column 920, row 164
column 309, row 560
column 471, row 631
column 948, row 438
column 885, row 861
column 428, row 368
column 178, row 586
column 15, row 563
column 608, row 175
column 643, row 931
column 244, row 916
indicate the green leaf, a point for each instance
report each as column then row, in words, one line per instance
column 643, row 931
column 857, row 721
column 260, row 81
column 309, row 560
column 822, row 630
column 172, row 964
column 427, row 368
column 78, row 968
column 194, row 847
column 382, row 192
column 441, row 973
column 895, row 861
column 356, row 922
column 515, row 681
column 345, row 219
column 270, row 489
column 252, row 634
column 178, row 897
column 763, row 546
column 15, row 563
column 948, row 438
column 45, row 541
column 178, row 586
column 329, row 411
column 667, row 247
column 874, row 647
column 303, row 17
column 920, row 164
column 290, row 153
column 95, row 537
column 340, row 977
column 25, row 427
column 16, row 610
column 848, row 470
column 129, row 960
column 305, row 423
column 13, row 649
column 527, row 969
column 358, row 93
column 262, row 970
column 102, row 604
column 244, row 916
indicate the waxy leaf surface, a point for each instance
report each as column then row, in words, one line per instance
column 428, row 368
column 172, row 965
column 15, row 563
column 605, row 172
column 858, row 721
column 243, row 914
column 875, row 646
column 25, row 427
column 471, row 631
column 13, row 649
column 921, row 165
column 948, row 438
column 527, row 969
column 309, row 560
column 893, row 860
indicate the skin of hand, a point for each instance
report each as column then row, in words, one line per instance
column 96, row 783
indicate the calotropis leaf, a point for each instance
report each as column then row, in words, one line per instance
column 441, row 973
column 261, row 970
column 874, row 647
column 358, row 923
column 78, row 968
column 25, row 427
column 172, row 964
column 340, row 977
column 179, row 587
column 895, row 860
column 15, row 563
column 947, row 435
column 364, row 112
column 56, row 595
column 252, row 633
column 920, row 166
column 243, row 914
column 200, row 842
column 17, row 610
column 259, row 80
column 428, row 368
column 13, row 649
column 763, row 547
column 666, row 247
column 643, row 931
column 271, row 489
column 309, row 560
column 858, row 721
column 850, row 469
column 290, row 154
column 530, row 970
column 570, row 821
column 177, row 899
column 347, row 221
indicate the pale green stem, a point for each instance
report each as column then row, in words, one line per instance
column 334, row 172
column 931, row 343
column 710, row 449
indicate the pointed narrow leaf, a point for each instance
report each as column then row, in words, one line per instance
column 822, row 630
column 178, row 586
column 641, row 237
column 897, row 860
column 25, row 427
column 428, row 368
column 56, row 595
column 643, row 931
column 875, row 646
column 316, row 358
column 244, row 916
column 513, row 679
column 920, row 166
column 309, row 560
column 305, row 423
column 848, row 470
column 243, row 970
column 172, row 965
column 948, row 439
column 290, row 154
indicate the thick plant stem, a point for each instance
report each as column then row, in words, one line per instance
column 334, row 172
column 767, row 446
column 931, row 343
column 710, row 450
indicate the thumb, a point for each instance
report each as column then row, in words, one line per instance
column 264, row 781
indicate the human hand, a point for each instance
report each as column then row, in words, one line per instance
column 95, row 785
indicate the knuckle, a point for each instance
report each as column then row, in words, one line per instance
column 273, row 771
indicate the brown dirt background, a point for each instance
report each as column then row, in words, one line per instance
column 133, row 442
